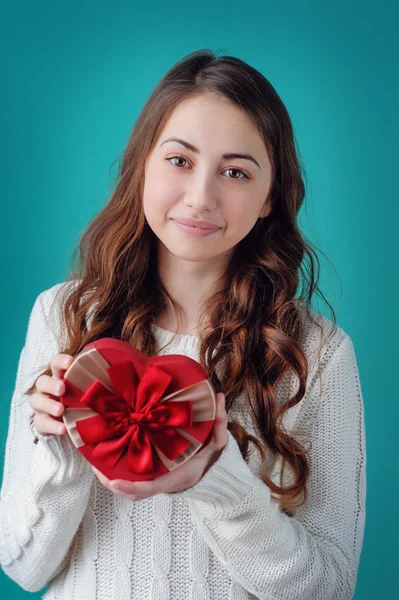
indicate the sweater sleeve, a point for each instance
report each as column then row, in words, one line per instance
column 45, row 486
column 315, row 553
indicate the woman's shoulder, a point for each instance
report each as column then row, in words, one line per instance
column 57, row 293
column 52, row 301
column 326, row 345
column 328, row 349
column 320, row 335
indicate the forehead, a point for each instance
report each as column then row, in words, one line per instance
column 213, row 121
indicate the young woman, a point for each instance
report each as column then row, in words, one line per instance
column 198, row 252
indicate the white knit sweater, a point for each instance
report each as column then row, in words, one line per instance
column 225, row 537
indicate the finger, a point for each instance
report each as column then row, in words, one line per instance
column 60, row 364
column 47, row 405
column 104, row 480
column 46, row 425
column 141, row 488
column 180, row 478
column 49, row 385
column 221, row 404
column 122, row 485
column 128, row 489
column 220, row 436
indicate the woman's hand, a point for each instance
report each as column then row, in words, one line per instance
column 49, row 410
column 184, row 476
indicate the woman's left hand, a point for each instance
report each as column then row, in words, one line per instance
column 184, row 476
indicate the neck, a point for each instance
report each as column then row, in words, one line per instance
column 190, row 284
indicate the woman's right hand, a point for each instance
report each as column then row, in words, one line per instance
column 47, row 419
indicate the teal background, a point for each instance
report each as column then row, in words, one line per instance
column 75, row 76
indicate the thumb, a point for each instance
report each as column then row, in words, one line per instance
column 221, row 404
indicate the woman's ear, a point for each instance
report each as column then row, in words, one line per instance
column 266, row 209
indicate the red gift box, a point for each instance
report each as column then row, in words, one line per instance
column 136, row 417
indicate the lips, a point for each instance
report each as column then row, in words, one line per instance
column 207, row 225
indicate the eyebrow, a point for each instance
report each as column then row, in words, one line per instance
column 227, row 155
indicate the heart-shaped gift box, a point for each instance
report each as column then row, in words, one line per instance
column 135, row 417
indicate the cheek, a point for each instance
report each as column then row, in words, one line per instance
column 159, row 196
column 240, row 216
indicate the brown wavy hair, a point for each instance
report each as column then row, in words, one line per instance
column 255, row 320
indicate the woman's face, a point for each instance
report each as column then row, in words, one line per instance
column 230, row 192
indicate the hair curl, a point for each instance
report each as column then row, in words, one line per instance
column 255, row 319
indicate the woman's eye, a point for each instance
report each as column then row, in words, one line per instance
column 180, row 157
column 239, row 171
column 171, row 158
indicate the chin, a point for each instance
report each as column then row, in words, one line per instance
column 184, row 252
column 191, row 256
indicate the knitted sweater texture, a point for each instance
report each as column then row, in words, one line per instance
column 225, row 538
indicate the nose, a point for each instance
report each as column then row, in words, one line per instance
column 201, row 194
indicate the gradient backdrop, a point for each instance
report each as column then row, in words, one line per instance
column 75, row 76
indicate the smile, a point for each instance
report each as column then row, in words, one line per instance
column 196, row 231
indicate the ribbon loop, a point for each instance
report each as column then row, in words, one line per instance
column 129, row 418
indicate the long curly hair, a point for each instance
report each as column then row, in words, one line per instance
column 255, row 318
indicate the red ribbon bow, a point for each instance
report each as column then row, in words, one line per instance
column 133, row 419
